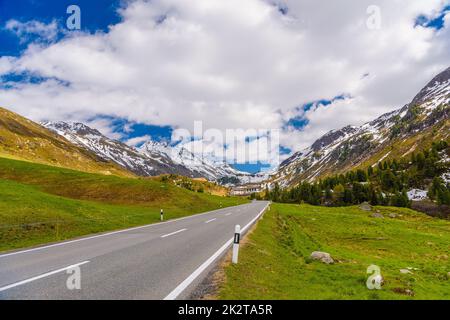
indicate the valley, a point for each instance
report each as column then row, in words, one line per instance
column 347, row 195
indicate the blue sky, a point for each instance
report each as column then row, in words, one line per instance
column 99, row 14
column 96, row 16
column 436, row 22
column 211, row 63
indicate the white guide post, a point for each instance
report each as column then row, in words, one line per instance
column 237, row 237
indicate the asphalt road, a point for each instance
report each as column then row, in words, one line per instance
column 159, row 261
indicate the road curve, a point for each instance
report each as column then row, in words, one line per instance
column 158, row 261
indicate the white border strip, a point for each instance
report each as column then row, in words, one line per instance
column 172, row 233
column 41, row 276
column 183, row 285
column 113, row 232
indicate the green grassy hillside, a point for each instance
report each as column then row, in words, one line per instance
column 24, row 139
column 40, row 203
column 276, row 264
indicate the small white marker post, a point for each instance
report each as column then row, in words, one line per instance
column 162, row 214
column 237, row 237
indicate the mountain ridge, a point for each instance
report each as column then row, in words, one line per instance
column 150, row 159
column 354, row 146
column 23, row 139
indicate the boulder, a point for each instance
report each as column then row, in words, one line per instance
column 392, row 215
column 377, row 215
column 405, row 271
column 365, row 206
column 322, row 256
column 409, row 292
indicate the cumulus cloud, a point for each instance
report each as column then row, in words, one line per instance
column 6, row 65
column 24, row 30
column 136, row 141
column 236, row 64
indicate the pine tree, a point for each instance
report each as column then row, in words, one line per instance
column 275, row 194
column 370, row 171
column 443, row 197
column 361, row 175
column 328, row 194
column 420, row 161
column 338, row 194
column 267, row 194
column 400, row 200
column 348, row 196
column 374, row 198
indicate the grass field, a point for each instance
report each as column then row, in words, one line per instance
column 275, row 263
column 40, row 203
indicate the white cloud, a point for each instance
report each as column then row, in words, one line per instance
column 105, row 126
column 6, row 65
column 46, row 32
column 236, row 64
column 138, row 140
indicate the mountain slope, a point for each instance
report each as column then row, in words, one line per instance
column 393, row 135
column 153, row 162
column 203, row 167
column 24, row 139
column 151, row 159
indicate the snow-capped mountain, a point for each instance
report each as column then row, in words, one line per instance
column 152, row 158
column 199, row 166
column 150, row 164
column 395, row 134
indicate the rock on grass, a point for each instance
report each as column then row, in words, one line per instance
column 322, row 256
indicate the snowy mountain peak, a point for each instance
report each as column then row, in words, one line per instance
column 333, row 136
column 150, row 159
column 152, row 147
column 439, row 86
column 72, row 127
column 339, row 150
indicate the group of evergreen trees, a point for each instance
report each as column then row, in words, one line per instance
column 386, row 183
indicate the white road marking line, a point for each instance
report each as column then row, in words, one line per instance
column 210, row 220
column 229, row 213
column 41, row 276
column 183, row 285
column 107, row 234
column 172, row 233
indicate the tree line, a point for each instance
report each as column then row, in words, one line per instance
column 385, row 183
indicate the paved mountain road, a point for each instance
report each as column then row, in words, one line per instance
column 159, row 261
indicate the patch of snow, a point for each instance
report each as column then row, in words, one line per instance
column 382, row 158
column 417, row 194
column 446, row 177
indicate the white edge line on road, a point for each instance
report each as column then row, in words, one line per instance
column 41, row 276
column 183, row 285
column 229, row 213
column 211, row 220
column 172, row 233
column 111, row 233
